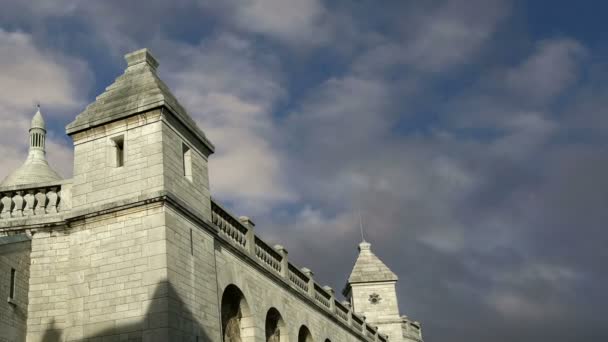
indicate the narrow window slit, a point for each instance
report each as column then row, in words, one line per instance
column 119, row 150
column 11, row 295
column 187, row 162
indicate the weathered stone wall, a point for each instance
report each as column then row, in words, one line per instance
column 13, row 316
column 387, row 306
column 194, row 192
column 100, row 277
column 194, row 306
column 263, row 291
column 97, row 180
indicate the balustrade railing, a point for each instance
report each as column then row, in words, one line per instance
column 321, row 296
column 298, row 278
column 342, row 311
column 231, row 228
column 27, row 201
column 228, row 225
column 357, row 322
column 267, row 255
column 370, row 331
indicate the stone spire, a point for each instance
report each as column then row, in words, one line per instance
column 369, row 268
column 137, row 90
column 35, row 169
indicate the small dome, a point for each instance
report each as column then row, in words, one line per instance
column 34, row 170
column 37, row 120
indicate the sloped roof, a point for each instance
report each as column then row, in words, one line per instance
column 369, row 268
column 138, row 89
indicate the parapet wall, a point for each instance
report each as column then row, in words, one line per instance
column 44, row 208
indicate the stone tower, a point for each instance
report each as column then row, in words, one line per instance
column 372, row 293
column 137, row 140
column 35, row 169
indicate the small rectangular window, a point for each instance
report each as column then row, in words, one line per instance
column 119, row 150
column 187, row 162
column 12, row 284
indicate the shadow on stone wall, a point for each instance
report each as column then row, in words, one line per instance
column 167, row 319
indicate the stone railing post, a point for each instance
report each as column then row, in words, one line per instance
column 284, row 260
column 40, row 202
column 311, row 281
column 250, row 235
column 30, row 200
column 349, row 315
column 7, row 205
column 332, row 299
column 18, row 201
column 53, row 198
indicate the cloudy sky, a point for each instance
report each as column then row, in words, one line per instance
column 472, row 136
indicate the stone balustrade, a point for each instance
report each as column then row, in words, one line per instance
column 34, row 200
column 411, row 329
column 240, row 233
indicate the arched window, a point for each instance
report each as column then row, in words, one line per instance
column 276, row 331
column 237, row 320
column 304, row 335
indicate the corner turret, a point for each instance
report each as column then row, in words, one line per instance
column 372, row 293
column 35, row 169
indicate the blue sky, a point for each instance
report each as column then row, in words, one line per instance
column 471, row 134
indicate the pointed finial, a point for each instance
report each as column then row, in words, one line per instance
column 37, row 120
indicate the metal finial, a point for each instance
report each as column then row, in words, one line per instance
column 361, row 226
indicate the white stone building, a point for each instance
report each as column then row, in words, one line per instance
column 134, row 248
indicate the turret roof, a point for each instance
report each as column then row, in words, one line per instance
column 38, row 120
column 35, row 169
column 369, row 268
column 137, row 90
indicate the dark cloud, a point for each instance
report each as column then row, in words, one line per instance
column 478, row 171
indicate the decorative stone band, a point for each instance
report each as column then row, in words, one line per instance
column 34, row 200
column 241, row 235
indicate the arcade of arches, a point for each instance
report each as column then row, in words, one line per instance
column 238, row 321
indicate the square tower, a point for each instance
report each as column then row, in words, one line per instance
column 136, row 141
column 371, row 291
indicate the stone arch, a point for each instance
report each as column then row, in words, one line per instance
column 237, row 319
column 304, row 335
column 276, row 329
column 327, row 340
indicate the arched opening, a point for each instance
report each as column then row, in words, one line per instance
column 276, row 331
column 304, row 335
column 237, row 321
column 327, row 340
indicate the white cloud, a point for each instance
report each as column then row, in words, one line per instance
column 31, row 74
column 294, row 21
column 34, row 75
column 231, row 91
column 554, row 65
column 453, row 33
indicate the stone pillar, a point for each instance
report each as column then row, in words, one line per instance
column 311, row 281
column 250, row 235
column 30, row 201
column 284, row 260
column 332, row 299
column 7, row 205
column 18, row 201
column 51, row 207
